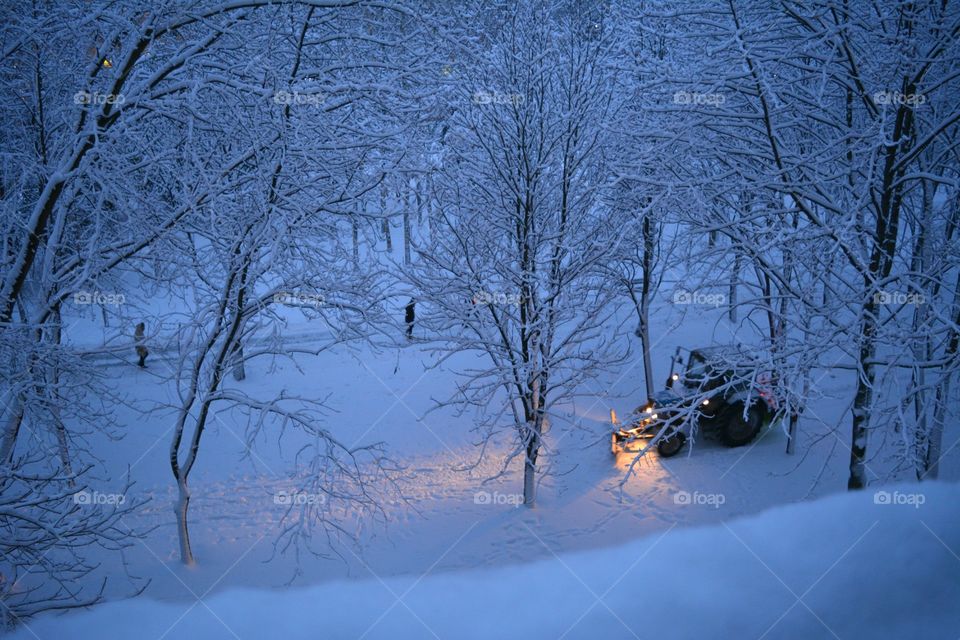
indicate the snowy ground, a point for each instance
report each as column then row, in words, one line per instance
column 452, row 519
column 802, row 571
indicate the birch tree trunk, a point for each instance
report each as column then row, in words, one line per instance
column 863, row 400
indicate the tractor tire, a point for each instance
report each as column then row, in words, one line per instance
column 670, row 445
column 739, row 431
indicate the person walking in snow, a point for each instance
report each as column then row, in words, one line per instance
column 138, row 338
column 411, row 317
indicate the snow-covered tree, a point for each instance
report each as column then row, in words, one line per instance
column 513, row 270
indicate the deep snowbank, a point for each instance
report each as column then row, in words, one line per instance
column 843, row 566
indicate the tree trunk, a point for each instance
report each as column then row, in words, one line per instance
column 406, row 228
column 355, row 234
column 11, row 431
column 431, row 213
column 418, row 195
column 734, row 284
column 183, row 503
column 53, row 382
column 862, row 402
column 746, row 210
column 534, row 431
column 530, row 465
column 934, row 440
column 648, row 248
column 792, row 433
column 386, row 218
column 239, row 369
column 795, row 412
column 530, row 480
column 922, row 347
column 645, row 345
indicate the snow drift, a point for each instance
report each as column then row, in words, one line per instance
column 880, row 563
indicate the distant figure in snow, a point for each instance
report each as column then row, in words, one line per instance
column 411, row 317
column 142, row 352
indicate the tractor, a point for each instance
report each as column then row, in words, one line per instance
column 723, row 390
